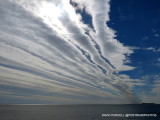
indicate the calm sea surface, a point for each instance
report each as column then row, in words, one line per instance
column 80, row 112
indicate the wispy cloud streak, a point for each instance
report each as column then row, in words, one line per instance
column 45, row 46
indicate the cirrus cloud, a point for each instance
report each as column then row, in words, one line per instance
column 46, row 48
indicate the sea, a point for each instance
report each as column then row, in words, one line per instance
column 81, row 112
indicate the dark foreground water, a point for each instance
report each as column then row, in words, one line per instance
column 79, row 112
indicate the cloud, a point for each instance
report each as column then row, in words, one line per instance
column 45, row 48
column 156, row 86
column 151, row 88
column 151, row 91
column 156, row 35
column 152, row 49
column 145, row 38
column 111, row 48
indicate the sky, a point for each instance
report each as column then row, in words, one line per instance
column 79, row 51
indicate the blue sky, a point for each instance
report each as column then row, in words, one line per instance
column 79, row 52
column 137, row 24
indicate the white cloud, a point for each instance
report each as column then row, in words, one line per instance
column 156, row 35
column 43, row 47
column 153, row 86
column 152, row 49
column 111, row 48
column 145, row 38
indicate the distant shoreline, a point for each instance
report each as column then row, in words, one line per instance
column 83, row 104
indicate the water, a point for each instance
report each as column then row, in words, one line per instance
column 79, row 112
